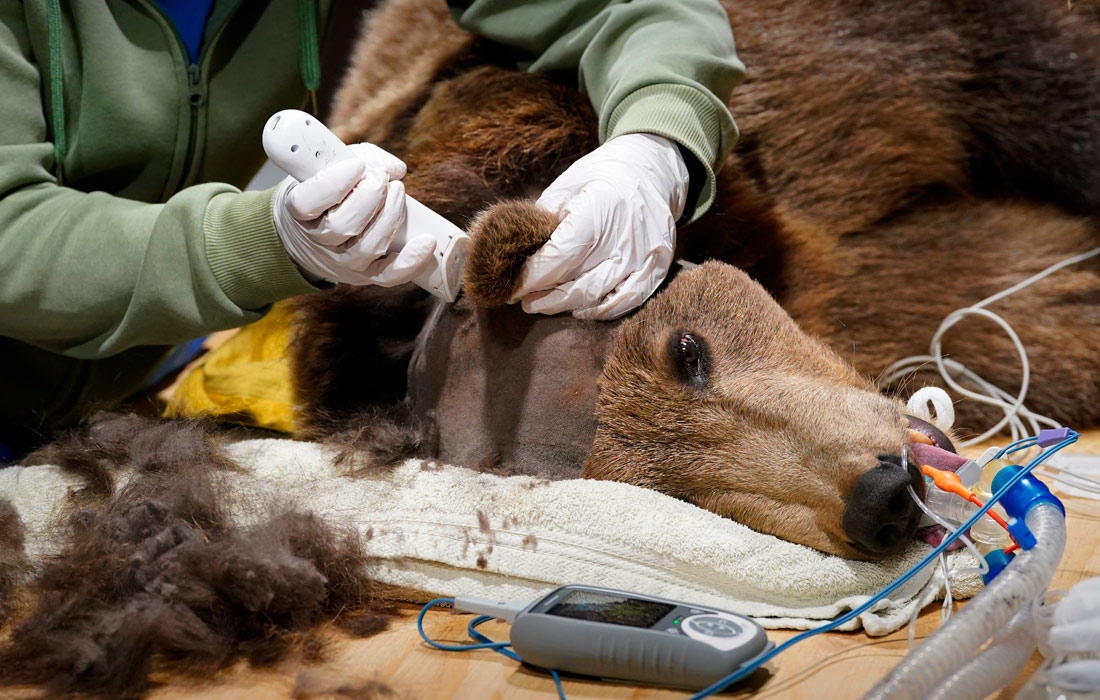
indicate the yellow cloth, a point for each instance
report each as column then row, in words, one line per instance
column 246, row 380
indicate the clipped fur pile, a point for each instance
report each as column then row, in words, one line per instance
column 99, row 450
column 155, row 576
column 503, row 237
column 382, row 437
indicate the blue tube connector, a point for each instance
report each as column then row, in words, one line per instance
column 997, row 560
column 1027, row 493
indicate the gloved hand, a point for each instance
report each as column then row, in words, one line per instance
column 339, row 224
column 1076, row 633
column 618, row 208
column 1076, row 626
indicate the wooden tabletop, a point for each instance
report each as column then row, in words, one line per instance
column 844, row 664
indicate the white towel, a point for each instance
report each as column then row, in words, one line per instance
column 452, row 531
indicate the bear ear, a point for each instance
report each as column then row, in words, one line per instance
column 502, row 238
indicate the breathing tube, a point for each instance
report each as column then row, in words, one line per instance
column 987, row 672
column 945, row 665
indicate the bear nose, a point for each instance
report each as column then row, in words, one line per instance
column 881, row 516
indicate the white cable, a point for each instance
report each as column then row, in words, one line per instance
column 993, row 399
column 913, row 364
column 926, row 597
column 500, row 609
column 1038, row 276
column 1017, row 417
column 948, row 601
column 942, row 407
column 953, row 371
column 1068, row 477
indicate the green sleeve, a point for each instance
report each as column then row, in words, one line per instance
column 88, row 274
column 665, row 67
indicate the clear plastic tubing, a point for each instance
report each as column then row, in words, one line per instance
column 990, row 670
column 936, row 661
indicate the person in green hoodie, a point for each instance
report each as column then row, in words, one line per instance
column 129, row 127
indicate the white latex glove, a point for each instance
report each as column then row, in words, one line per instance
column 1079, row 675
column 339, row 224
column 1076, row 631
column 618, row 208
column 1076, row 626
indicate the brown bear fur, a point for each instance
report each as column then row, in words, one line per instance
column 771, row 428
column 503, row 238
column 852, row 117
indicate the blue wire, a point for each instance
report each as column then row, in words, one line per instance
column 749, row 667
column 452, row 647
column 557, row 684
column 1022, row 444
column 474, row 634
column 471, row 630
column 484, row 642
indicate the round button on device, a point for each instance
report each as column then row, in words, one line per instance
column 714, row 626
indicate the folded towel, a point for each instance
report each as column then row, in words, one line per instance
column 452, row 531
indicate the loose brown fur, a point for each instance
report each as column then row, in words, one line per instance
column 380, row 437
column 108, row 440
column 311, row 685
column 156, row 577
column 898, row 160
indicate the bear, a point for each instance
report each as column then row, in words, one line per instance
column 898, row 160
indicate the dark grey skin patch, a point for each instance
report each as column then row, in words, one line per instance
column 486, row 375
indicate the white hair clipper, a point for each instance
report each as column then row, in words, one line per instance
column 302, row 146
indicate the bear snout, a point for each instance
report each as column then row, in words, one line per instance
column 880, row 516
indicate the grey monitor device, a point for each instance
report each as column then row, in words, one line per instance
column 626, row 636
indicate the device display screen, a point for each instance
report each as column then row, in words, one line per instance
column 615, row 609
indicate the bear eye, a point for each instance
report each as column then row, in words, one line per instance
column 689, row 356
column 689, row 351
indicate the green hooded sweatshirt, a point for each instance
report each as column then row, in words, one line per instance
column 123, row 228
